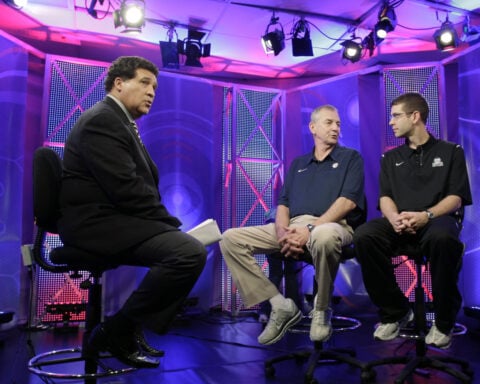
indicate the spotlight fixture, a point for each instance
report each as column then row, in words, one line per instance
column 352, row 50
column 446, row 37
column 169, row 49
column 387, row 21
column 18, row 4
column 273, row 40
column 193, row 48
column 301, row 43
column 131, row 15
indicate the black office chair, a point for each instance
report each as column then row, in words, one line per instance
column 318, row 354
column 47, row 171
column 420, row 359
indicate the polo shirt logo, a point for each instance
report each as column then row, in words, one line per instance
column 301, row 170
column 437, row 162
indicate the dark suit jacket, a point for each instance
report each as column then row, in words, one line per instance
column 109, row 197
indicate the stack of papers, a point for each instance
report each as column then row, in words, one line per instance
column 206, row 232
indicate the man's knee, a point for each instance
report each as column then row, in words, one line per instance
column 229, row 239
column 361, row 233
column 201, row 255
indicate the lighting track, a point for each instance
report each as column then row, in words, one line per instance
column 336, row 19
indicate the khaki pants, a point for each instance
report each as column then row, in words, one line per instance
column 239, row 245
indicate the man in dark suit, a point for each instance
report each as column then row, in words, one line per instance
column 111, row 206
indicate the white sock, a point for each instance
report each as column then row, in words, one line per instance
column 278, row 301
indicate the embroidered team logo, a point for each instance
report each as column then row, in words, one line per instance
column 437, row 162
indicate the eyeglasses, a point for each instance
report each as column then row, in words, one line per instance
column 396, row 116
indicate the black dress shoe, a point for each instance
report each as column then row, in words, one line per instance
column 102, row 340
column 145, row 347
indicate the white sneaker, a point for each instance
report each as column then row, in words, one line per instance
column 389, row 331
column 321, row 325
column 279, row 322
column 438, row 339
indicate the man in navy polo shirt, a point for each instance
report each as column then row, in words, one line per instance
column 321, row 200
column 423, row 184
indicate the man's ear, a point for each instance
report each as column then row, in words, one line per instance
column 117, row 83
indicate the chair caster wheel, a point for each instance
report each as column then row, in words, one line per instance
column 368, row 376
column 269, row 371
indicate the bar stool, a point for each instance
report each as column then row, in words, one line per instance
column 319, row 354
column 59, row 364
column 420, row 359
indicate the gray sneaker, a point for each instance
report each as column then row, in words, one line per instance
column 279, row 322
column 321, row 325
column 389, row 331
column 438, row 339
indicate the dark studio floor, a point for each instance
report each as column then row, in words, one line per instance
column 217, row 348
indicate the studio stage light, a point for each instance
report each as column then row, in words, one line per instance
column 301, row 43
column 387, row 21
column 446, row 37
column 352, row 50
column 193, row 48
column 131, row 15
column 273, row 41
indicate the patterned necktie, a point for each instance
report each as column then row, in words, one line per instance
column 137, row 133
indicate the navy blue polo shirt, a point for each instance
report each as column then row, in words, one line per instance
column 311, row 186
column 417, row 179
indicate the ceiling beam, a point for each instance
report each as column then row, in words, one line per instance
column 445, row 7
column 336, row 19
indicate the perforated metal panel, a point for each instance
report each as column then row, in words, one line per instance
column 59, row 297
column 253, row 172
column 72, row 87
column 406, row 275
column 424, row 80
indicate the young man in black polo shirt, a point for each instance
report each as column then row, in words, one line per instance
column 423, row 183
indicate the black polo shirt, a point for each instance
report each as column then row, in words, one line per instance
column 311, row 186
column 417, row 179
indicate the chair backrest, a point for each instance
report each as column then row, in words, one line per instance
column 47, row 176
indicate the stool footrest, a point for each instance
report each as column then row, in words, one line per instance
column 61, row 357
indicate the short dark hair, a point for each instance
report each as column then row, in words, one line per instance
column 413, row 101
column 125, row 67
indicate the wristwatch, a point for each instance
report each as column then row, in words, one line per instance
column 430, row 214
column 310, row 227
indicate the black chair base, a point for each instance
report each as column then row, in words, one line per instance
column 419, row 361
column 417, row 364
column 318, row 355
column 55, row 365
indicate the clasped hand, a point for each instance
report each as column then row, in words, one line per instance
column 293, row 240
column 409, row 222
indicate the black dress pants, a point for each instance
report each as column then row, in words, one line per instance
column 175, row 261
column 375, row 243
